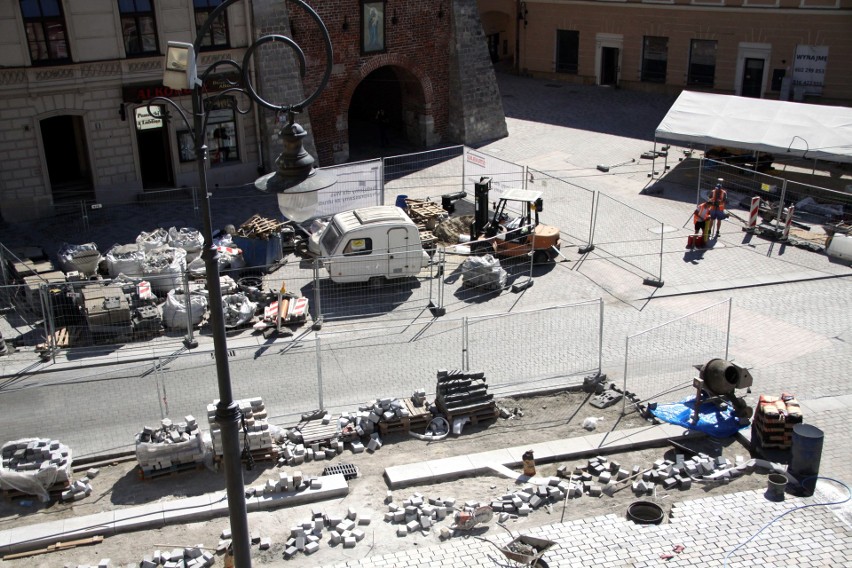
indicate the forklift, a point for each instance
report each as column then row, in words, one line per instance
column 506, row 236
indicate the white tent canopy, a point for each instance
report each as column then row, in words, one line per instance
column 809, row 131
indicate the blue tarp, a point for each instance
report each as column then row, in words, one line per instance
column 711, row 420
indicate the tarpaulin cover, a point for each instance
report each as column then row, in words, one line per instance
column 812, row 131
column 711, row 420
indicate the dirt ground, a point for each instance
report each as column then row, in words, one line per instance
column 550, row 417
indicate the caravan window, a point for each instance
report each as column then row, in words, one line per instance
column 358, row 246
column 330, row 238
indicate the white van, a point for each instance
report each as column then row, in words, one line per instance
column 369, row 244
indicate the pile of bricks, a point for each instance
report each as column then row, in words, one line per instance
column 35, row 455
column 417, row 513
column 191, row 557
column 774, row 419
column 171, row 446
column 527, row 499
column 343, row 530
column 311, row 440
column 257, row 431
column 81, row 488
column 464, row 393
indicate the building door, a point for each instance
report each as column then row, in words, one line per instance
column 609, row 65
column 752, row 78
column 67, row 156
column 152, row 141
column 494, row 47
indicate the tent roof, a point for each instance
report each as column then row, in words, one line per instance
column 815, row 131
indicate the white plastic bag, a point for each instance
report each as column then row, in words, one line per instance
column 188, row 239
column 591, row 422
column 238, row 310
column 125, row 259
column 163, row 268
column 79, row 258
column 174, row 309
column 155, row 239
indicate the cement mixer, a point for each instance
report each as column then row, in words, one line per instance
column 719, row 379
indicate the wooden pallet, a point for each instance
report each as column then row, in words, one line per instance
column 55, row 492
column 167, row 472
column 257, row 227
column 476, row 416
column 262, row 455
column 314, row 431
column 418, row 418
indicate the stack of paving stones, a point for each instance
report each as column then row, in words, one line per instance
column 256, row 428
column 34, row 455
column 80, row 488
column 170, row 447
column 461, row 393
column 191, row 557
column 418, row 513
column 344, row 530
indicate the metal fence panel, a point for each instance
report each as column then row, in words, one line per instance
column 391, row 361
column 122, row 400
column 659, row 362
column 624, row 234
column 423, row 174
column 504, row 175
column 817, row 212
column 575, row 203
column 538, row 349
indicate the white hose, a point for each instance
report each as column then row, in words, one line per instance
column 441, row 424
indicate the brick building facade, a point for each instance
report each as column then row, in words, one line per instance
column 77, row 78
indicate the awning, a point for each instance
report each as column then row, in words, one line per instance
column 809, row 131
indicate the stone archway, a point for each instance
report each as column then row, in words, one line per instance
column 403, row 92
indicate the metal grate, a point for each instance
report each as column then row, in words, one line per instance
column 348, row 470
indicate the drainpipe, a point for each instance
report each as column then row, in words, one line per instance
column 518, row 37
column 261, row 167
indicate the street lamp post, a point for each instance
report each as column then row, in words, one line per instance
column 296, row 180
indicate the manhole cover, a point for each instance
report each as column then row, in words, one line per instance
column 663, row 229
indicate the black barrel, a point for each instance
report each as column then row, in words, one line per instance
column 807, row 451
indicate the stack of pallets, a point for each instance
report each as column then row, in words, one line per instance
column 463, row 394
column 257, row 227
column 774, row 419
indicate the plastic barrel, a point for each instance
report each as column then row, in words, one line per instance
column 400, row 201
column 807, row 451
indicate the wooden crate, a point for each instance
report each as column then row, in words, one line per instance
column 146, row 475
column 418, row 418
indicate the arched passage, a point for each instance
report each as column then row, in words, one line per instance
column 389, row 112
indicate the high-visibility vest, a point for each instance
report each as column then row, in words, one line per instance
column 718, row 197
column 701, row 213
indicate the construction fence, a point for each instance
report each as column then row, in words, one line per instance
column 337, row 370
column 658, row 361
column 806, row 210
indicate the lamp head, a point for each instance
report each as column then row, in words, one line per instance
column 180, row 71
column 296, row 180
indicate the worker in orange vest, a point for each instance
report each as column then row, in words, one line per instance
column 701, row 216
column 718, row 199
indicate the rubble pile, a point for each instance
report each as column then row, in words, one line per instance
column 169, row 447
column 35, row 466
column 602, row 476
column 254, row 428
column 483, row 272
column 524, row 501
column 417, row 512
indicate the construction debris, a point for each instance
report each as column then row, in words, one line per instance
column 256, row 437
column 257, row 227
column 483, row 272
column 463, row 396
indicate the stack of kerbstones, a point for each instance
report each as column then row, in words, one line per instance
column 36, row 457
column 192, row 557
column 254, row 428
column 418, row 513
column 171, row 446
column 305, row 537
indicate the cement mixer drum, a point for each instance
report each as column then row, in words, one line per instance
column 723, row 377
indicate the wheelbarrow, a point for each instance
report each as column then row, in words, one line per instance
column 525, row 550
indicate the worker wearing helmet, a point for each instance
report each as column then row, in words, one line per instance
column 718, row 199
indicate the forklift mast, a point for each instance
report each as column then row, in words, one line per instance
column 481, row 189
